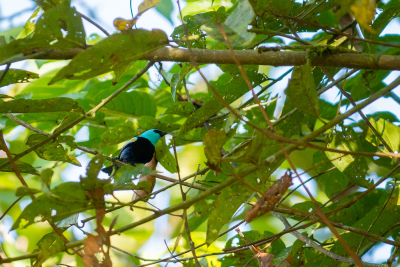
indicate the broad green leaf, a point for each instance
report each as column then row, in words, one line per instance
column 67, row 120
column 201, row 212
column 40, row 105
column 26, row 191
column 132, row 104
column 389, row 132
column 235, row 26
column 333, row 181
column 112, row 52
column 53, row 150
column 301, row 91
column 45, row 177
column 166, row 159
column 194, row 22
column 230, row 89
column 22, row 167
column 49, row 245
column 119, row 133
column 213, row 142
column 68, row 198
column 389, row 217
column 183, row 108
column 147, row 123
column 124, row 176
column 228, row 201
column 355, row 167
column 365, row 83
column 17, row 76
column 165, row 8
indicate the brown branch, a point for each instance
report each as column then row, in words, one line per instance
column 248, row 57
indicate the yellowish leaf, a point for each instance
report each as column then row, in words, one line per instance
column 123, row 24
column 364, row 11
column 146, row 5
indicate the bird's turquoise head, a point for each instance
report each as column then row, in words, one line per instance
column 153, row 135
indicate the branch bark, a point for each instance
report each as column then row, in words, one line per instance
column 249, row 57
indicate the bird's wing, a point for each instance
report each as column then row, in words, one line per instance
column 126, row 145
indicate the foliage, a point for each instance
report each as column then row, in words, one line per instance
column 224, row 161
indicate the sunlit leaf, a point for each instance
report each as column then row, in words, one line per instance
column 184, row 108
column 235, row 26
column 119, row 133
column 112, row 52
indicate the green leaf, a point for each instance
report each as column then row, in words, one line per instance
column 355, row 167
column 17, row 76
column 26, row 191
column 45, row 177
column 49, row 245
column 119, row 133
column 52, row 150
column 228, row 201
column 22, row 167
column 165, row 8
column 29, row 26
column 67, row 199
column 389, row 132
column 230, row 89
column 92, row 171
column 213, row 142
column 67, row 120
column 166, row 159
column 301, row 91
column 40, row 105
column 124, row 176
column 148, row 123
column 235, row 26
column 112, row 52
column 183, row 108
column 50, row 32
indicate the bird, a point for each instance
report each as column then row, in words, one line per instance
column 140, row 150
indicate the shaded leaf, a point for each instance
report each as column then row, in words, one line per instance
column 26, row 191
column 183, row 108
column 52, row 150
column 355, row 167
column 166, row 159
column 49, row 245
column 40, row 105
column 111, row 53
column 119, row 133
column 17, row 76
column 213, row 142
column 67, row 199
column 22, row 167
column 301, row 91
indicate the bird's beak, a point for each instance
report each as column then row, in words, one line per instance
column 163, row 133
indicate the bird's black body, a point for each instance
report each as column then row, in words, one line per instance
column 140, row 151
column 129, row 154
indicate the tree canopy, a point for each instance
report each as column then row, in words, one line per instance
column 251, row 173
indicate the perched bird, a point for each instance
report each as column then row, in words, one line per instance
column 140, row 150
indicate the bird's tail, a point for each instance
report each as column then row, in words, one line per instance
column 110, row 170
